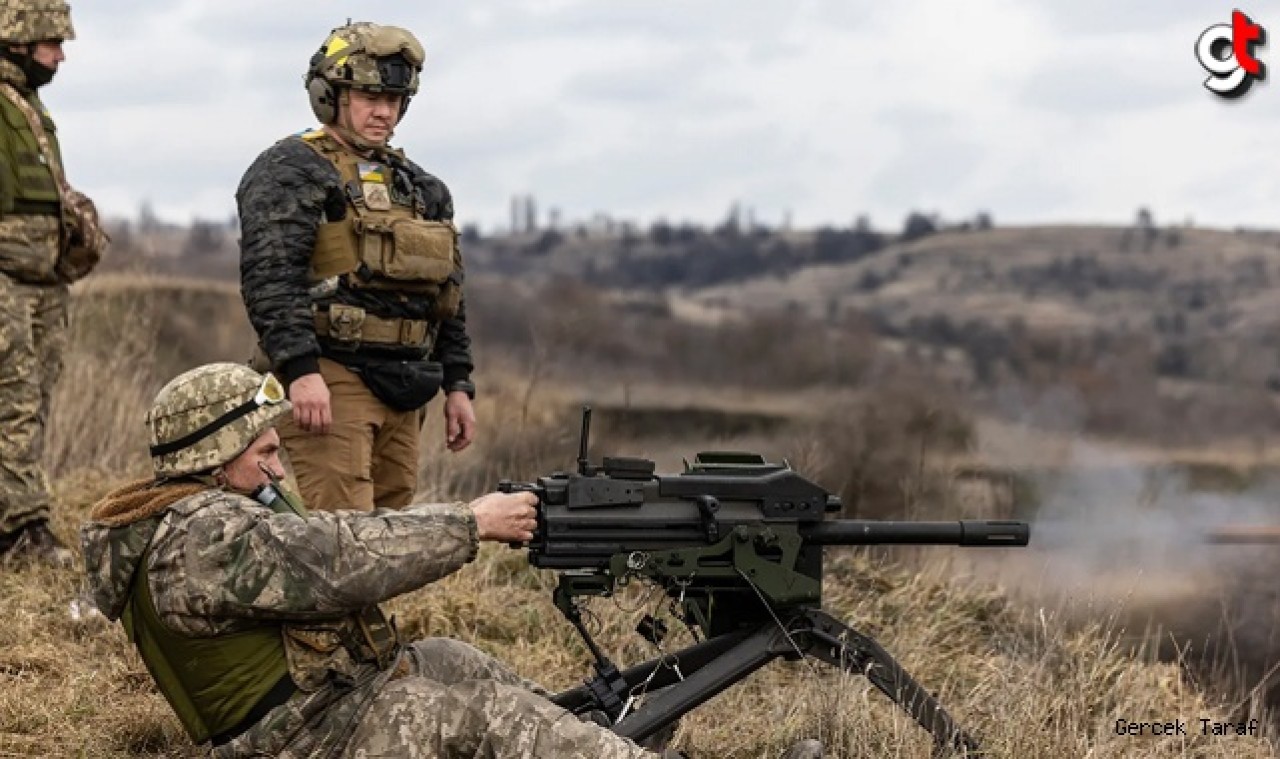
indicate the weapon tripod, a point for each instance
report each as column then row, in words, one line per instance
column 691, row 676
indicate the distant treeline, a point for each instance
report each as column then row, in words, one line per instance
column 687, row 255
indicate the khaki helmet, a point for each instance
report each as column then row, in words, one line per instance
column 206, row 417
column 363, row 56
column 26, row 22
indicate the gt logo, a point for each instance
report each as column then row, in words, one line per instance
column 1226, row 51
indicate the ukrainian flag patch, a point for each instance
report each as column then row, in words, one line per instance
column 373, row 172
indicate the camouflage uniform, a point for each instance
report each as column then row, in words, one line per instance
column 33, row 294
column 285, row 200
column 218, row 563
column 212, row 565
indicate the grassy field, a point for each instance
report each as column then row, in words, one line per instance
column 1034, row 675
column 1028, row 684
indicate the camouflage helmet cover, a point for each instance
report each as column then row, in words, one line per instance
column 25, row 22
column 363, row 56
column 193, row 402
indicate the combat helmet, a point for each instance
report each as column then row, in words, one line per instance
column 206, row 417
column 363, row 56
column 26, row 22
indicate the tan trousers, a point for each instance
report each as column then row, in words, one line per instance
column 369, row 458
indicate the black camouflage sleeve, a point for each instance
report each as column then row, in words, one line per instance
column 453, row 345
column 280, row 200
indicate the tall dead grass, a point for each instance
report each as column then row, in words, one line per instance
column 1029, row 685
column 1024, row 682
column 127, row 337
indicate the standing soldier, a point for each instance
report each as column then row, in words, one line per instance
column 352, row 276
column 49, row 236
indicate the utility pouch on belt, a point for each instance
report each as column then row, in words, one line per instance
column 402, row 385
column 346, row 324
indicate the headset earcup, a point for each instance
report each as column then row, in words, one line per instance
column 324, row 101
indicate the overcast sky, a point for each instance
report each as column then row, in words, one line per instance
column 1035, row 110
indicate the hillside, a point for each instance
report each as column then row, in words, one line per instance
column 1183, row 305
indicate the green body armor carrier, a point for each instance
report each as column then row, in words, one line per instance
column 212, row 683
column 27, row 185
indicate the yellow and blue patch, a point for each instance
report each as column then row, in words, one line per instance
column 373, row 172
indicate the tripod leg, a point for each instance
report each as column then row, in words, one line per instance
column 832, row 641
column 689, row 660
column 753, row 652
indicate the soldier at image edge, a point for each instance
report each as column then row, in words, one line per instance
column 49, row 237
column 259, row 621
column 352, row 275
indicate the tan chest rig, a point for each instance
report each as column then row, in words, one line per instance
column 382, row 243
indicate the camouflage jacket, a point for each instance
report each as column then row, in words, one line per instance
column 217, row 562
column 29, row 243
column 281, row 200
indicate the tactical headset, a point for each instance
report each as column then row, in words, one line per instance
column 396, row 54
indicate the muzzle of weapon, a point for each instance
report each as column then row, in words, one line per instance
column 1244, row 534
column 972, row 533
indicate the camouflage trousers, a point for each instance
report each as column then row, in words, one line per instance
column 446, row 699
column 463, row 703
column 33, row 336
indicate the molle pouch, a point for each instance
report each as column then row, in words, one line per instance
column 450, row 298
column 313, row 652
column 346, row 324
column 419, row 251
column 335, row 251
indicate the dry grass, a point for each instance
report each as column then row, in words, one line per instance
column 1028, row 684
column 1024, row 682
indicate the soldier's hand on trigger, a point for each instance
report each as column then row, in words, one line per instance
column 460, row 421
column 311, row 409
column 506, row 517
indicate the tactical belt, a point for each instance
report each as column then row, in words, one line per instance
column 350, row 325
column 36, row 207
column 281, row 692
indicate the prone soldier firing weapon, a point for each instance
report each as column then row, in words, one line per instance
column 737, row 543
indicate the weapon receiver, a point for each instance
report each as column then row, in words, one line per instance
column 737, row 543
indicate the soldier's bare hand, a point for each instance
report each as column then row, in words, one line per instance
column 311, row 409
column 506, row 517
column 460, row 421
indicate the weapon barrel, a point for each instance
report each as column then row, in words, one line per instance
column 851, row 532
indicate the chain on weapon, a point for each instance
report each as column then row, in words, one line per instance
column 655, row 638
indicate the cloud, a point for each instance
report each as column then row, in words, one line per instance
column 1087, row 18
column 824, row 108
